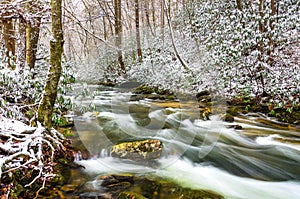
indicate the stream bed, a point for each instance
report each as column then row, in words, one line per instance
column 259, row 159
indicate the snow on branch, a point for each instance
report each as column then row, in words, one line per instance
column 29, row 148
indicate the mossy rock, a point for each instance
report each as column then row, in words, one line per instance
column 233, row 111
column 115, row 179
column 138, row 150
column 165, row 189
column 144, row 90
column 228, row 118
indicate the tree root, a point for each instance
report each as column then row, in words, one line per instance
column 29, row 150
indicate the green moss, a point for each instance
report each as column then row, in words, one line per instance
column 233, row 111
column 228, row 118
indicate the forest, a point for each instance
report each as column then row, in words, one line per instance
column 238, row 57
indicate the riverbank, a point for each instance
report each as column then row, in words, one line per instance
column 34, row 161
column 288, row 113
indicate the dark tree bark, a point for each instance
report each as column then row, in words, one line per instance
column 56, row 49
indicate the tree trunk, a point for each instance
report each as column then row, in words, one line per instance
column 21, row 52
column 182, row 62
column 118, row 33
column 137, row 26
column 148, row 16
column 239, row 4
column 56, row 49
column 32, row 39
column 10, row 43
column 162, row 22
column 153, row 16
column 271, row 25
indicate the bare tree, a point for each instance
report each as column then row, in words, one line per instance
column 182, row 62
column 32, row 34
column 9, row 34
column 137, row 26
column 118, row 33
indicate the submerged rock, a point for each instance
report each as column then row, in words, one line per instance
column 130, row 195
column 138, row 150
column 128, row 186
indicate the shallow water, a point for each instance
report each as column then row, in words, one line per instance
column 259, row 161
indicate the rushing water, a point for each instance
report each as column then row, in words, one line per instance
column 262, row 160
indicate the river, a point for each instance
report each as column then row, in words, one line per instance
column 260, row 160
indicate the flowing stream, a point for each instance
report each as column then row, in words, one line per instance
column 261, row 160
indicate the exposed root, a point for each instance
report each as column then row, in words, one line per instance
column 29, row 150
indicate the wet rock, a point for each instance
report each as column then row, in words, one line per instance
column 237, row 127
column 124, row 177
column 164, row 189
column 93, row 195
column 113, row 184
column 123, row 186
column 203, row 96
column 228, row 117
column 108, row 180
column 138, row 150
column 119, row 186
column 202, row 93
column 233, row 111
column 130, row 195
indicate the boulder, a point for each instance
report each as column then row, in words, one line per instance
column 138, row 150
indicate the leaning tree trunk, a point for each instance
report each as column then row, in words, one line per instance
column 56, row 49
column 182, row 62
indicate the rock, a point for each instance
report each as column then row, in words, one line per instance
column 202, row 93
column 108, row 180
column 114, row 179
column 124, row 177
column 94, row 195
column 228, row 118
column 203, row 96
column 68, row 188
column 130, row 195
column 164, row 189
column 237, row 127
column 233, row 111
column 138, row 150
column 119, row 186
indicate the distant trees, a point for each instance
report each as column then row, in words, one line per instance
column 20, row 30
column 247, row 42
column 251, row 42
column 8, row 32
